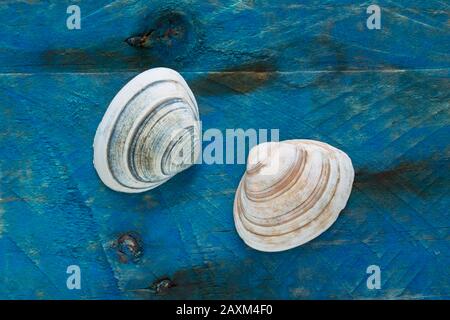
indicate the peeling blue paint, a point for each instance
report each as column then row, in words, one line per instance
column 312, row 70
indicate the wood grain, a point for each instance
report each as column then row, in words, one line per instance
column 312, row 70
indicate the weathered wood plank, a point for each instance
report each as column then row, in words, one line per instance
column 59, row 213
column 221, row 35
column 312, row 70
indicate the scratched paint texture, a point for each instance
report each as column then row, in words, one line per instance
column 310, row 68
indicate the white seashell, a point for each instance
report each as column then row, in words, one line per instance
column 291, row 192
column 149, row 133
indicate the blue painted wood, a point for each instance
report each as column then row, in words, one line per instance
column 311, row 70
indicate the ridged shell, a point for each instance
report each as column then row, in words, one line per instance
column 149, row 133
column 291, row 192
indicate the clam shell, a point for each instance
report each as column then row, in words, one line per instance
column 149, row 133
column 291, row 192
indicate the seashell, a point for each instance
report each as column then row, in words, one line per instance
column 291, row 192
column 149, row 133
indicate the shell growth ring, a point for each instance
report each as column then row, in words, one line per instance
column 291, row 192
column 149, row 133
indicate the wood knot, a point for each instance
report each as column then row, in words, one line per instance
column 162, row 286
column 128, row 247
column 167, row 30
column 140, row 41
column 170, row 38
